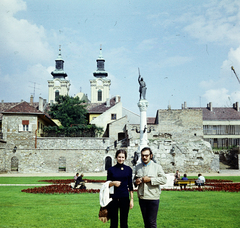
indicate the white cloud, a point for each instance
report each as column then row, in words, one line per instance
column 12, row 6
column 219, row 23
column 233, row 60
column 221, row 97
column 19, row 38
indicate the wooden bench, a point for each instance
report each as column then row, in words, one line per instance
column 185, row 182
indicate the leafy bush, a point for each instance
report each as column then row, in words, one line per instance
column 72, row 131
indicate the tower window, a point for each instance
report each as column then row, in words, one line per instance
column 56, row 95
column 99, row 95
column 100, row 65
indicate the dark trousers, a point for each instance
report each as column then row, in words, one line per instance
column 149, row 210
column 123, row 205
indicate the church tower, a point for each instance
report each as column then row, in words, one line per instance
column 100, row 86
column 58, row 85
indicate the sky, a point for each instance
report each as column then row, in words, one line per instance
column 184, row 49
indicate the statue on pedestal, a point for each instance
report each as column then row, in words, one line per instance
column 142, row 87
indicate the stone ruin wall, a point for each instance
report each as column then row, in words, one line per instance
column 181, row 124
column 194, row 156
column 177, row 142
column 181, row 130
column 89, row 154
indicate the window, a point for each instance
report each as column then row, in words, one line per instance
column 14, row 163
column 25, row 127
column 99, row 95
column 62, row 164
column 56, row 95
column 113, row 116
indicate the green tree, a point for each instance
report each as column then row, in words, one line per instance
column 69, row 110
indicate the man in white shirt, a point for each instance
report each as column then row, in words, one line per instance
column 201, row 180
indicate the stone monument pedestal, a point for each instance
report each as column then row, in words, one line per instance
column 143, row 105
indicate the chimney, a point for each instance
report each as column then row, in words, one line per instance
column 108, row 102
column 40, row 105
column 210, row 106
column 237, row 106
column 2, row 102
column 31, row 100
column 185, row 105
column 117, row 98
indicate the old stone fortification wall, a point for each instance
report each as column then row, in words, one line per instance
column 75, row 154
column 89, row 155
column 176, row 143
column 188, row 156
column 185, row 123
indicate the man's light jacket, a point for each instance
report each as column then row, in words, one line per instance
column 150, row 190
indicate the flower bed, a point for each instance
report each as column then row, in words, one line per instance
column 215, row 180
column 230, row 187
column 213, row 185
column 58, row 189
column 62, row 186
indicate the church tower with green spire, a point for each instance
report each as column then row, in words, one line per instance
column 59, row 85
column 100, row 86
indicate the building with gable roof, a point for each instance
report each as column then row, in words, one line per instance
column 23, row 120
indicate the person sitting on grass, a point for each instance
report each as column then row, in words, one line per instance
column 76, row 177
column 80, row 182
column 184, row 178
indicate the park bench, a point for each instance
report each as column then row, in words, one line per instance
column 189, row 182
column 184, row 183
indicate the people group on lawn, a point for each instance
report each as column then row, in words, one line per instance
column 199, row 182
column 148, row 177
column 79, row 182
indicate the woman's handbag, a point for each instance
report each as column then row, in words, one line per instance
column 103, row 214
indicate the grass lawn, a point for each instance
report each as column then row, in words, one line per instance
column 177, row 209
